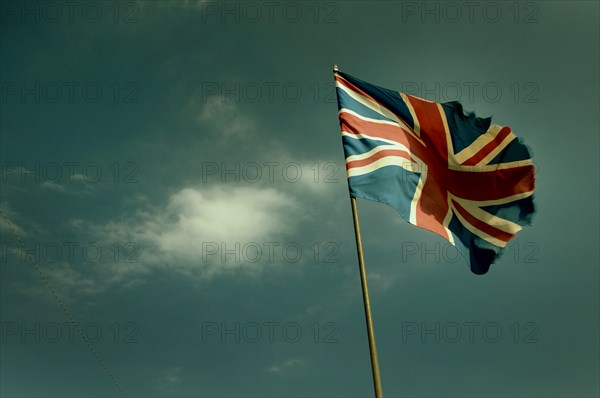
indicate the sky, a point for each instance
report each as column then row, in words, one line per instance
column 175, row 169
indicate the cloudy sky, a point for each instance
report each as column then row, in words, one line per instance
column 176, row 171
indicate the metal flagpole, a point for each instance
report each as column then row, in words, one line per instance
column 366, row 301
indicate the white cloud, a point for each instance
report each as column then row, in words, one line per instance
column 172, row 237
column 322, row 178
column 79, row 178
column 382, row 282
column 169, row 380
column 23, row 227
column 178, row 235
column 242, row 214
column 68, row 280
column 281, row 367
column 226, row 118
column 172, row 376
column 53, row 186
column 78, row 186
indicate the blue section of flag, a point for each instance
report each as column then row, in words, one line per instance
column 345, row 101
column 478, row 253
column 388, row 98
column 469, row 125
column 519, row 211
column 514, row 152
column 353, row 146
column 392, row 185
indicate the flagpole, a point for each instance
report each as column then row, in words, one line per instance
column 367, row 303
column 365, row 294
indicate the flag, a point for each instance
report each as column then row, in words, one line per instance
column 442, row 169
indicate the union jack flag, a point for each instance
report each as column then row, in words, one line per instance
column 451, row 173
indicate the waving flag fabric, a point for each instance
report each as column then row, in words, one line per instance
column 451, row 173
